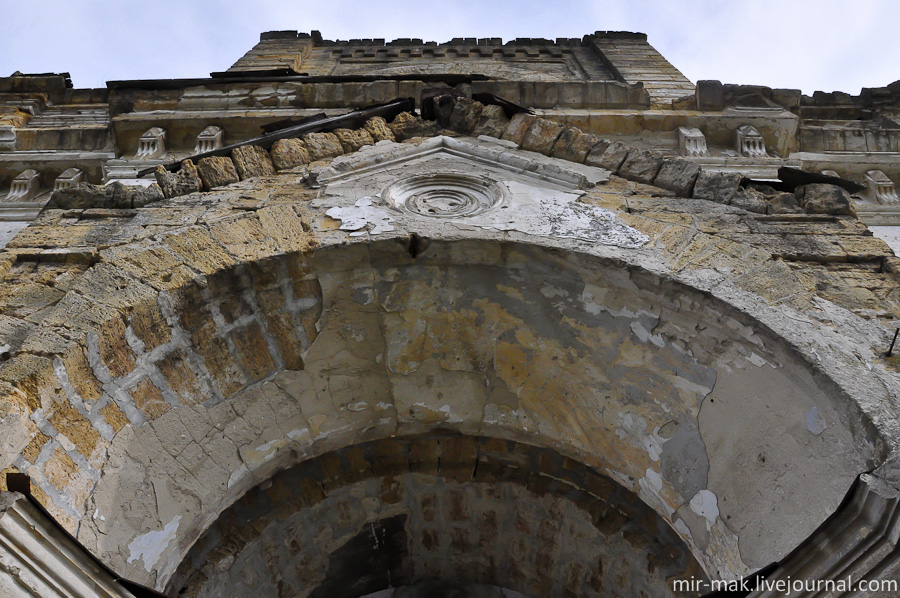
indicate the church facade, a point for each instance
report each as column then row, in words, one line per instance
column 366, row 318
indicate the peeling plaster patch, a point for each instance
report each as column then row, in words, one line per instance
column 239, row 474
column 265, row 451
column 684, row 460
column 557, row 214
column 682, row 529
column 758, row 361
column 631, row 427
column 815, row 423
column 645, row 336
column 149, row 547
column 302, row 434
column 360, row 216
column 651, row 491
column 550, row 292
column 706, row 505
column 592, row 297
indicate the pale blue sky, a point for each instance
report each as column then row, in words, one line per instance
column 823, row 44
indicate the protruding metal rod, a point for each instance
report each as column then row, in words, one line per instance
column 350, row 120
column 891, row 350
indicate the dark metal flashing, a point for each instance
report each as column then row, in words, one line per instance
column 350, row 120
column 263, row 77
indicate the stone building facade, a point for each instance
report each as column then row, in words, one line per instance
column 534, row 318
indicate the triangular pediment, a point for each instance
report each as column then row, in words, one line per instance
column 476, row 183
column 482, row 154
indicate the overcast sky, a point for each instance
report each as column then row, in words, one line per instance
column 811, row 45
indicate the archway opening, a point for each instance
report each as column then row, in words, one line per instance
column 437, row 515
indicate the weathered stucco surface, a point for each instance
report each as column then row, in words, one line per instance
column 712, row 361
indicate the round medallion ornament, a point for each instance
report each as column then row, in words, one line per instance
column 447, row 195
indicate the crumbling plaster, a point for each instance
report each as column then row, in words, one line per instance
column 210, row 346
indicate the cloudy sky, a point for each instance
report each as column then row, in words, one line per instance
column 806, row 44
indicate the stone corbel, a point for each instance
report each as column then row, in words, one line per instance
column 691, row 142
column 24, row 187
column 881, row 188
column 152, row 144
column 7, row 138
column 209, row 139
column 69, row 177
column 750, row 143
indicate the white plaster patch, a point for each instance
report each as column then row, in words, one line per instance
column 706, row 505
column 758, row 361
column 632, row 428
column 364, row 217
column 149, row 547
column 815, row 423
column 557, row 214
column 357, row 407
column 592, row 297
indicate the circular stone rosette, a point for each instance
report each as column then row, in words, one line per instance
column 448, row 195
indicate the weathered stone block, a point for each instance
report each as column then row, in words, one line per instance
column 174, row 184
column 465, row 115
column 322, row 146
column 252, row 347
column 60, row 469
column 517, row 127
column 78, row 196
column 716, row 186
column 492, row 121
column 112, row 196
column 407, row 126
column 678, row 175
column 710, row 95
column 66, row 419
column 784, row 203
column 574, row 145
column 608, row 155
column 641, row 166
column 443, row 105
column 216, row 171
column 379, row 130
column 119, row 196
column 821, row 198
column 541, row 135
column 148, row 398
column 287, row 153
column 252, row 161
column 352, row 140
column 750, row 200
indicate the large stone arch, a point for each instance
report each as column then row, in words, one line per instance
column 641, row 356
column 215, row 355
